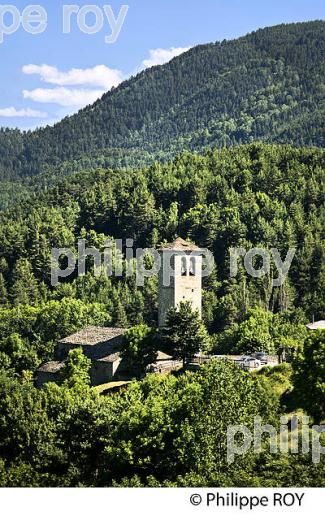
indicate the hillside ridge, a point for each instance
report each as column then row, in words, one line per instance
column 266, row 86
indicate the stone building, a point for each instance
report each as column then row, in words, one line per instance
column 49, row 372
column 96, row 342
column 100, row 344
column 180, row 277
column 108, row 368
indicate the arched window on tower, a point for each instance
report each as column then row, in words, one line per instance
column 184, row 266
column 192, row 267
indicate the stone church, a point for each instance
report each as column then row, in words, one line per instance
column 180, row 279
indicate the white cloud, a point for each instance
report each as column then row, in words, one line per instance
column 24, row 112
column 161, row 56
column 63, row 96
column 93, row 82
column 98, row 76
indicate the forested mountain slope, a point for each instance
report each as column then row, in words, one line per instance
column 255, row 195
column 267, row 86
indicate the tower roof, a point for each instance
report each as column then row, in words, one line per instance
column 180, row 245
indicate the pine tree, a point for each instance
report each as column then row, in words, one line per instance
column 3, row 291
column 24, row 289
column 185, row 334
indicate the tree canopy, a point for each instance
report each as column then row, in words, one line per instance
column 185, row 335
column 265, row 86
column 139, row 348
column 309, row 375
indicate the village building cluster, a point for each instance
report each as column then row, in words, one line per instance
column 102, row 345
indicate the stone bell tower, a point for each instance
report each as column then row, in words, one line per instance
column 180, row 277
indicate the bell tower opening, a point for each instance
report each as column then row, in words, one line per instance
column 184, row 260
column 184, row 266
column 192, row 266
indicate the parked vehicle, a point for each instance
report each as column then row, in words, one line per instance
column 262, row 356
column 249, row 363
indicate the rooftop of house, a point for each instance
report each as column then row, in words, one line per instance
column 93, row 336
column 316, row 325
column 51, row 367
column 111, row 358
column 180, row 245
column 161, row 356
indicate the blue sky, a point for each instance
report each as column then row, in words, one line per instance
column 49, row 75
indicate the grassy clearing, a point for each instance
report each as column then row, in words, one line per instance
column 279, row 377
column 113, row 385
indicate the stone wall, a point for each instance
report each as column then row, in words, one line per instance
column 183, row 286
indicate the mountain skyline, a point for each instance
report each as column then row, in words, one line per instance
column 51, row 75
column 267, row 86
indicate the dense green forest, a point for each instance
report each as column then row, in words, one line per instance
column 257, row 195
column 267, row 86
column 165, row 430
column 161, row 431
column 223, row 146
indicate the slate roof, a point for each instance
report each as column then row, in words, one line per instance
column 93, row 336
column 111, row 358
column 51, row 367
column 161, row 356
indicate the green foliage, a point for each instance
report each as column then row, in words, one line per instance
column 185, row 335
column 266, row 86
column 75, row 373
column 168, row 431
column 176, row 427
column 37, row 329
column 3, row 290
column 199, row 197
column 45, row 435
column 18, row 354
column 139, row 348
column 277, row 377
column 309, row 375
column 263, row 331
column 254, row 333
column 162, row 431
column 289, row 470
column 24, row 290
